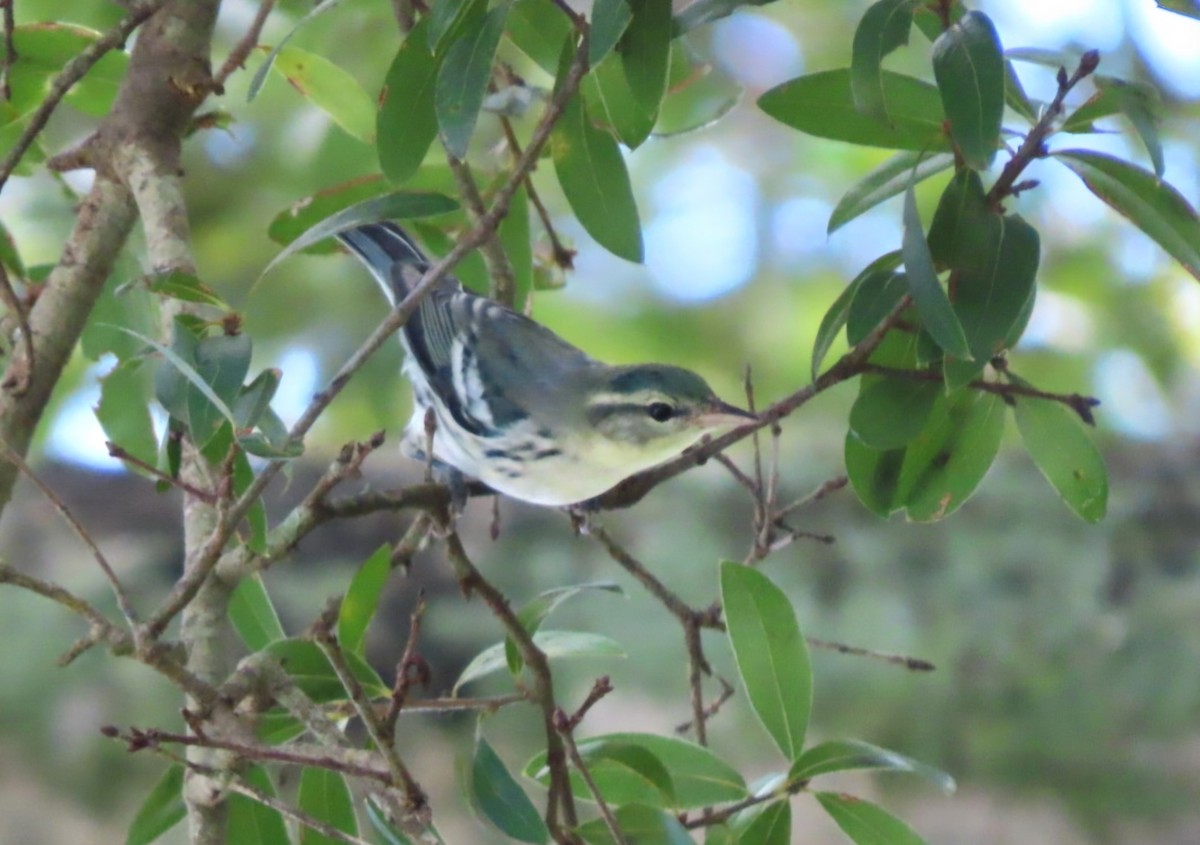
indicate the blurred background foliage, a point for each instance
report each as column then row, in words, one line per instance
column 1067, row 698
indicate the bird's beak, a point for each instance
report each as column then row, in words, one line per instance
column 721, row 414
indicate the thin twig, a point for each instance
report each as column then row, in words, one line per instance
column 72, row 73
column 241, row 51
column 123, row 603
column 115, row 451
column 831, row 486
column 293, row 812
column 17, row 381
column 10, row 50
column 502, row 285
column 563, row 257
column 414, row 796
column 740, row 477
column 711, row 710
column 62, row 596
column 566, row 729
column 409, row 661
column 915, row 664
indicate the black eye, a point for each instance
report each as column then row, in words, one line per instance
column 660, row 411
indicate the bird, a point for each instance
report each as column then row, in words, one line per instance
column 517, row 407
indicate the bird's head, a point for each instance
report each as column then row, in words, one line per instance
column 655, row 411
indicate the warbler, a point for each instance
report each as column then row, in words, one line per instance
column 516, row 406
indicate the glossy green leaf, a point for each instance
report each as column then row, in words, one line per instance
column 222, row 361
column 123, row 411
column 250, row 822
column 821, row 104
column 609, row 20
column 324, row 795
column 254, row 400
column 1059, row 444
column 554, row 644
column 393, row 206
column 42, row 50
column 884, row 27
column 463, row 77
column 501, row 799
column 840, row 755
column 865, row 823
column 640, row 825
column 517, row 240
column 773, row 826
column 611, row 104
column 449, row 17
column 1149, row 203
column 698, row 776
column 886, row 181
column 253, row 614
column 771, row 657
column 937, row 314
column 260, row 75
column 534, row 613
column 314, row 674
column 362, row 599
column 186, row 288
column 891, row 412
column 947, row 462
column 539, row 28
column 639, row 762
column 874, row 475
column 161, row 811
column 406, row 123
column 880, row 288
column 592, row 173
column 645, row 51
column 968, row 64
column 838, row 314
column 330, row 88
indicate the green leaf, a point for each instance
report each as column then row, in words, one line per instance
column 946, row 463
column 501, row 800
column 42, row 50
column 883, row 28
column 874, row 475
column 880, row 288
column 324, row 795
column 891, row 412
column 773, row 826
column 968, row 64
column 645, row 51
column 516, row 238
column 315, row 676
column 304, row 213
column 592, row 173
column 610, row 19
column 1059, row 444
column 770, row 654
column 885, row 182
column 865, row 823
column 698, row 95
column 838, row 314
column 393, row 206
column 933, row 304
column 821, row 104
column 463, row 77
column 407, row 121
column 539, row 28
column 640, row 825
column 253, row 615
column 256, row 516
column 186, row 288
column 1187, row 8
column 639, row 762
column 698, row 776
column 260, row 75
column 10, row 256
column 534, row 613
column 362, row 599
column 250, row 822
column 450, row 17
column 1015, row 96
column 1149, row 203
column 842, row 755
column 611, row 104
column 330, row 89
column 161, row 811
column 123, row 411
column 254, row 400
column 554, row 644
column 177, row 380
column 222, row 362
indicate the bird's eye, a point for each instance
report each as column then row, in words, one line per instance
column 660, row 411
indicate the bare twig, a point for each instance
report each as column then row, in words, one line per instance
column 284, row 808
column 409, row 664
column 72, row 73
column 17, row 380
column 10, row 50
column 238, row 55
column 46, row 589
column 566, row 728
column 502, row 286
column 711, row 710
column 563, row 257
column 831, row 486
column 123, row 603
column 915, row 664
column 120, row 454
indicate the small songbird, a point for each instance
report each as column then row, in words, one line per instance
column 518, row 407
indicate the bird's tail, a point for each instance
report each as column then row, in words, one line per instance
column 391, row 255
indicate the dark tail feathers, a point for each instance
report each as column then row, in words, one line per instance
column 387, row 250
